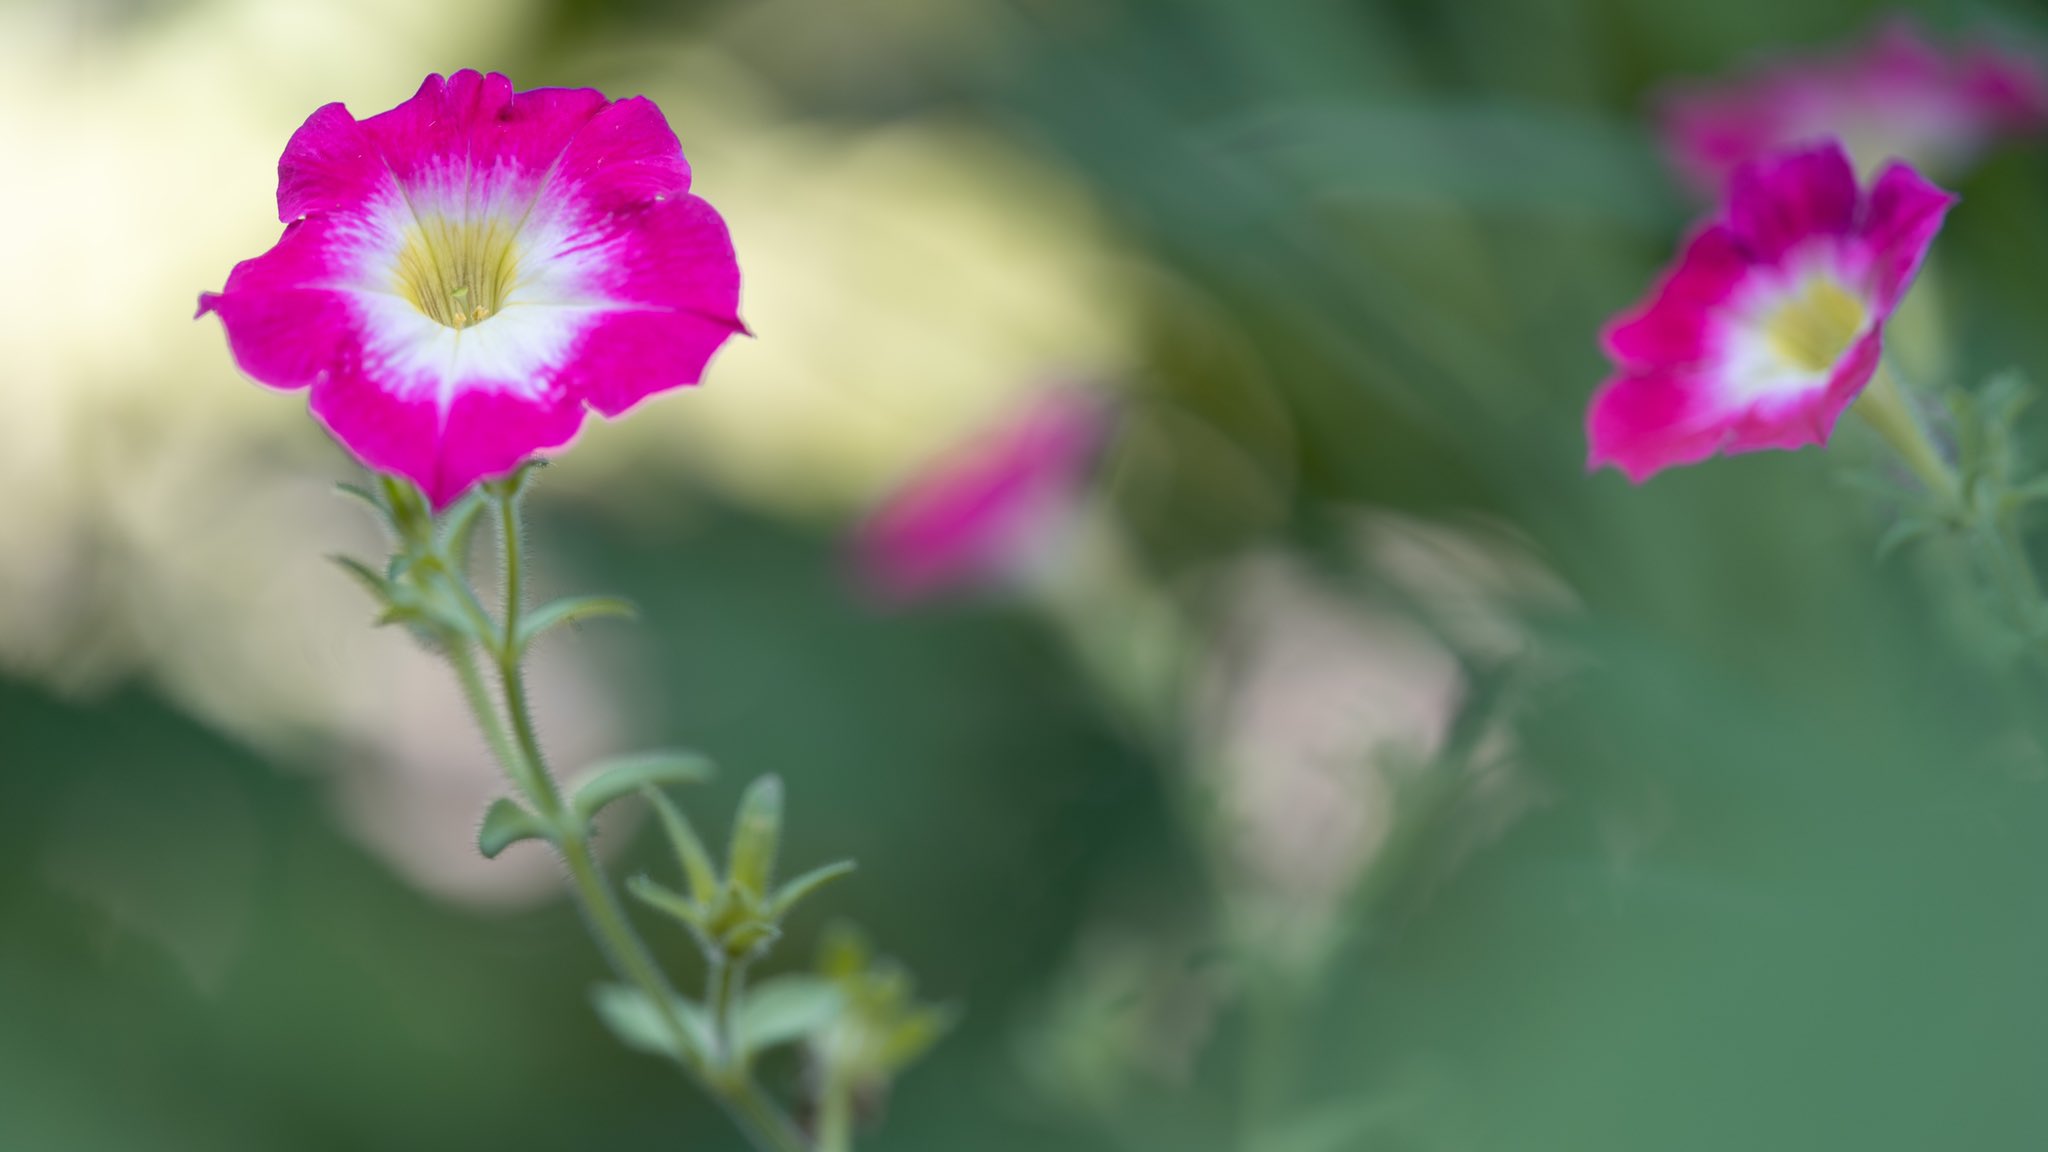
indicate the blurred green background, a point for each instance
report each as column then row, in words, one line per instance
column 1777, row 873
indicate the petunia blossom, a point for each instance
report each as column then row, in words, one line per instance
column 461, row 276
column 1894, row 96
column 994, row 508
column 1773, row 320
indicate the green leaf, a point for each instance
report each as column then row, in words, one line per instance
column 571, row 610
column 914, row 1034
column 376, row 585
column 641, row 1026
column 690, row 851
column 610, row 779
column 505, row 824
column 667, row 902
column 790, row 894
column 786, row 1008
column 1903, row 533
column 458, row 530
column 756, row 838
column 370, row 499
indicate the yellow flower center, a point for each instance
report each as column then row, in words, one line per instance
column 458, row 272
column 1812, row 327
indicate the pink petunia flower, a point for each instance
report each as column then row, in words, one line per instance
column 992, row 510
column 1773, row 320
column 1895, row 96
column 460, row 276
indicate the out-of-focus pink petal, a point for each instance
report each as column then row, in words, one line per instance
column 972, row 513
column 1645, row 423
column 1782, row 202
column 1672, row 328
column 1905, row 211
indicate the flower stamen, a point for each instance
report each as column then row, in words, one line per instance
column 1813, row 327
column 458, row 272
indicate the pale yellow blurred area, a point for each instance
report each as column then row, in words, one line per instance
column 168, row 519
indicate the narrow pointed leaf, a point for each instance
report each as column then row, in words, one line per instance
column 666, row 902
column 505, row 824
column 370, row 500
column 572, row 610
column 792, row 893
column 786, row 1008
column 915, row 1034
column 756, row 838
column 610, row 779
column 1901, row 534
column 376, row 585
column 640, row 1025
column 690, row 851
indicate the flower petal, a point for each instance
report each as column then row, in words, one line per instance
column 675, row 285
column 285, row 325
column 1904, row 213
column 1781, row 202
column 1674, row 327
column 1644, row 423
column 626, row 156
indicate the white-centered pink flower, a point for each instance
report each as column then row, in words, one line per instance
column 460, row 277
column 1773, row 320
column 995, row 509
column 1896, row 96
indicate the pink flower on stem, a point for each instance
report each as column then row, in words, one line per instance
column 1773, row 320
column 461, row 276
column 992, row 510
column 1895, row 96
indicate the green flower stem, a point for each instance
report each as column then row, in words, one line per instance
column 835, row 1112
column 1889, row 411
column 519, row 753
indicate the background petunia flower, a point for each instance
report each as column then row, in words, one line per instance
column 1773, row 320
column 1895, row 96
column 992, row 510
column 460, row 276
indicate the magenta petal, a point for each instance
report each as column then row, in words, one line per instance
column 475, row 123
column 1899, row 224
column 678, row 267
column 285, row 327
column 624, row 157
column 1780, row 202
column 327, row 166
column 1643, row 424
column 1672, row 329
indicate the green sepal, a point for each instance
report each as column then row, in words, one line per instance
column 1905, row 532
column 505, row 824
column 916, row 1032
column 690, row 851
column 668, row 902
column 756, row 839
column 788, row 896
column 370, row 500
column 571, row 610
column 377, row 586
column 610, row 779
column 786, row 1008
column 638, row 1023
column 458, row 530
column 411, row 517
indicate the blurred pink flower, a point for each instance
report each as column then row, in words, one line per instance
column 1773, row 320
column 991, row 510
column 460, row 276
column 1896, row 96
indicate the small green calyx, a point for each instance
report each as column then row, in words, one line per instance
column 736, row 916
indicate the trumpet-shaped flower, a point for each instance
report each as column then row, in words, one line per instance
column 1773, row 320
column 459, row 277
column 993, row 509
column 1895, row 96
